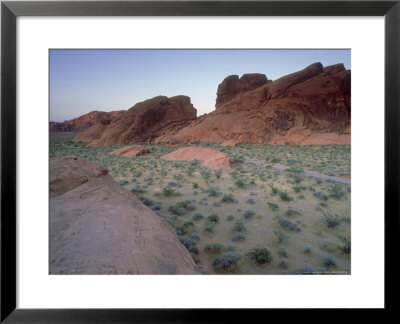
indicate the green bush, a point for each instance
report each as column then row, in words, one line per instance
column 168, row 192
column 213, row 248
column 285, row 196
column 260, row 255
column 288, row 225
column 273, row 206
column 331, row 220
column 228, row 198
column 240, row 184
column 239, row 227
column 227, row 262
column 281, row 236
column 214, row 218
column 249, row 213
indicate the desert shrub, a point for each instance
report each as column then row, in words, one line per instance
column 214, row 218
column 297, row 179
column 205, row 174
column 213, row 248
column 285, row 196
column 274, row 190
column 209, row 227
column 283, row 263
column 146, row 201
column 275, row 160
column 281, row 236
column 298, row 189
column 186, row 241
column 195, row 185
column 198, row 216
column 273, row 206
column 190, row 170
column 346, row 219
column 331, row 220
column 291, row 212
column 123, row 182
column 320, row 195
column 240, row 183
column 307, row 249
column 168, row 192
column 288, row 225
column 186, row 227
column 239, row 236
column 251, row 201
column 230, row 217
column 179, row 178
column 260, row 255
column 282, row 252
column 239, row 226
column 137, row 190
column 216, row 204
column 213, row 192
column 337, row 192
column 211, row 223
column 218, row 174
column 180, row 208
column 249, row 213
column 346, row 245
column 228, row 198
column 295, row 169
column 195, row 236
column 172, row 184
column 227, row 262
column 306, row 269
column 329, row 261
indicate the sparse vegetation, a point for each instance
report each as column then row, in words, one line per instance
column 183, row 194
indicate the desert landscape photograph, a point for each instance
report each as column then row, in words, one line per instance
column 208, row 161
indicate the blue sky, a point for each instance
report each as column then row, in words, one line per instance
column 86, row 80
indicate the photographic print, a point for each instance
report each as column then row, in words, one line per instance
column 209, row 161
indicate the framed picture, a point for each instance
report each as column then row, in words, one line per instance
column 45, row 43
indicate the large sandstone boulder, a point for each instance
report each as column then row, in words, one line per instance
column 130, row 151
column 211, row 159
column 84, row 122
column 232, row 85
column 98, row 227
column 311, row 106
column 144, row 122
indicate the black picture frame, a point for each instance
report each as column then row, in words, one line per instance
column 10, row 10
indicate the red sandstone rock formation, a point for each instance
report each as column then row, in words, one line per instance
column 211, row 159
column 311, row 106
column 232, row 85
column 143, row 122
column 83, row 122
column 98, row 227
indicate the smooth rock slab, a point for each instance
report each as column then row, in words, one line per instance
column 98, row 227
column 211, row 159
